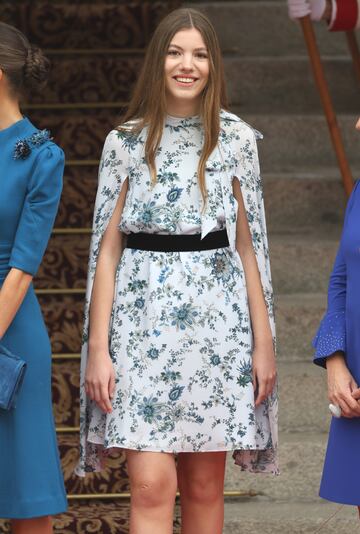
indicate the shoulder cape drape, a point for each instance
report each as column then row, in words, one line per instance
column 236, row 156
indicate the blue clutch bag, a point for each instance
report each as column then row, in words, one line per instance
column 12, row 370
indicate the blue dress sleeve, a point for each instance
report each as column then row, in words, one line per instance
column 39, row 210
column 331, row 335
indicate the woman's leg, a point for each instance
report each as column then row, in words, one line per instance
column 37, row 525
column 153, row 484
column 201, row 485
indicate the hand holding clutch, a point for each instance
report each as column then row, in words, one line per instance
column 12, row 370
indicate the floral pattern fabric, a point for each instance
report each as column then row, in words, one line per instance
column 180, row 334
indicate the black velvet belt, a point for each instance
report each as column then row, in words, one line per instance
column 177, row 243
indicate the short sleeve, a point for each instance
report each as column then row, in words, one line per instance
column 39, row 210
column 331, row 335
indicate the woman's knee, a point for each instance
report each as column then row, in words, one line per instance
column 152, row 491
column 202, row 489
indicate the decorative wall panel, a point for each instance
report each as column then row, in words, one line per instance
column 65, row 263
column 65, row 391
column 78, row 198
column 63, row 316
column 127, row 24
column 96, row 49
column 90, row 79
column 112, row 480
column 98, row 517
column 81, row 134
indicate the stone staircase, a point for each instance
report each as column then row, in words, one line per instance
column 96, row 49
column 271, row 87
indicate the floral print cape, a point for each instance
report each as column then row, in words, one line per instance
column 235, row 156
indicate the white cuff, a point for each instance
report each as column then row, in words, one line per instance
column 317, row 9
column 298, row 8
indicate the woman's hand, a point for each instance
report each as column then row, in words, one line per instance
column 341, row 386
column 264, row 372
column 100, row 379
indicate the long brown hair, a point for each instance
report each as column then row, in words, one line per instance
column 148, row 103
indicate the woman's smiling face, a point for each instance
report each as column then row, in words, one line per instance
column 186, row 68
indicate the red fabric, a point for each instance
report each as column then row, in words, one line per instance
column 346, row 15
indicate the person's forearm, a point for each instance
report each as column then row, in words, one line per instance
column 12, row 293
column 336, row 359
column 102, row 302
column 257, row 306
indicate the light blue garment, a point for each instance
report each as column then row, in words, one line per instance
column 31, row 482
column 340, row 331
column 12, row 370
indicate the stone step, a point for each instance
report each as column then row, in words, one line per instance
column 303, row 398
column 72, row 81
column 297, row 319
column 301, row 460
column 286, row 84
column 302, row 263
column 249, row 27
column 304, row 202
column 260, row 28
column 242, row 516
column 257, row 517
column 87, row 25
column 291, row 143
column 302, row 142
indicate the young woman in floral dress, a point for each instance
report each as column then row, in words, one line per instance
column 178, row 362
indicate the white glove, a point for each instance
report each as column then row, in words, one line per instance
column 317, row 9
column 298, row 8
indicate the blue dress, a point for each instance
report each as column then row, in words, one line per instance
column 340, row 331
column 31, row 481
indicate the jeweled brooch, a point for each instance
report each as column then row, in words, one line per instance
column 23, row 147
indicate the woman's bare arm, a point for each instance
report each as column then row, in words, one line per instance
column 264, row 367
column 12, row 294
column 100, row 377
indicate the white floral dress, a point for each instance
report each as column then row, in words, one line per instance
column 180, row 334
